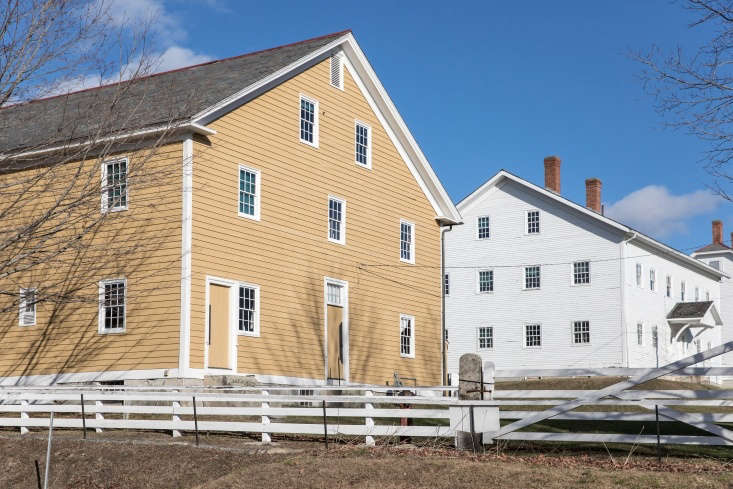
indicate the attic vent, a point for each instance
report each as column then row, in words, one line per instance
column 337, row 71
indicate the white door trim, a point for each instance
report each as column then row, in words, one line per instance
column 232, row 284
column 345, row 285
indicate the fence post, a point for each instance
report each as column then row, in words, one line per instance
column 368, row 421
column 98, row 416
column 265, row 421
column 23, row 415
column 470, row 388
column 175, row 406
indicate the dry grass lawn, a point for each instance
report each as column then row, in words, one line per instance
column 154, row 464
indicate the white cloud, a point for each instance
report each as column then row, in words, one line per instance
column 655, row 211
column 177, row 57
column 144, row 14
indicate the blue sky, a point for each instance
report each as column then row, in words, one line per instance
column 491, row 85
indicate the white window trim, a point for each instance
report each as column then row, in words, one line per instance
column 572, row 333
column 258, row 186
column 572, row 274
column 526, row 222
column 475, row 235
column 683, row 291
column 524, row 336
column 341, row 241
column 412, row 336
column 524, row 278
column 639, row 278
column 21, row 307
column 340, row 58
column 478, row 339
column 101, row 329
column 105, row 190
column 671, row 286
column 478, row 281
column 316, row 120
column 256, row 332
column 642, row 334
column 368, row 165
column 412, row 242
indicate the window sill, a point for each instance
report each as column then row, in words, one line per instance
column 342, row 242
column 248, row 216
column 312, row 145
column 26, row 325
column 409, row 262
column 114, row 209
column 490, row 292
column 532, row 289
column 112, row 331
column 368, row 166
column 402, row 355
column 255, row 334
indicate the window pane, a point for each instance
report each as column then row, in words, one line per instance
column 483, row 227
column 533, row 222
column 114, row 305
column 307, row 120
column 362, row 144
column 485, row 337
column 247, row 192
column 247, row 309
column 335, row 219
column 486, row 281
column 532, row 277
column 581, row 272
column 532, row 335
column 447, row 284
column 406, row 241
column 116, row 184
column 581, row 332
column 406, row 336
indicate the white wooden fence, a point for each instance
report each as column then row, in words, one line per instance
column 274, row 410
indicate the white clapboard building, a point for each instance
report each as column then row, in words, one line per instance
column 534, row 280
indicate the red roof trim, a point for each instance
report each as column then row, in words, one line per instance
column 334, row 34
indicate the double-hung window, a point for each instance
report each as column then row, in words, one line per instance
column 114, row 185
column 482, row 227
column 697, row 294
column 485, row 281
column 336, row 220
column 581, row 273
column 308, row 121
column 655, row 336
column 27, row 307
column 532, row 335
column 249, row 193
column 533, row 222
column 446, row 284
column 639, row 334
column 363, row 144
column 112, row 305
column 581, row 332
column 682, row 291
column 248, row 310
column 407, row 336
column 652, row 279
column 669, row 286
column 532, row 277
column 485, row 337
column 407, row 241
column 707, row 295
column 638, row 274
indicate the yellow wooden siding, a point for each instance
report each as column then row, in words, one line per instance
column 65, row 338
column 287, row 252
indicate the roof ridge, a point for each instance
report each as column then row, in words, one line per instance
column 183, row 68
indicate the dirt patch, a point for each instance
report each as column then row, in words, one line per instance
column 155, row 464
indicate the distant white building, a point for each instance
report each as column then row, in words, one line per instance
column 534, row 280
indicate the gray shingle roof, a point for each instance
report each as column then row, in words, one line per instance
column 684, row 310
column 713, row 247
column 150, row 101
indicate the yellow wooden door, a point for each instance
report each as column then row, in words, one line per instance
column 219, row 334
column 335, row 342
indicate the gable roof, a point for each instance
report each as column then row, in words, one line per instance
column 153, row 100
column 632, row 234
column 197, row 95
column 712, row 248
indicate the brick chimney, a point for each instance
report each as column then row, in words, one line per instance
column 552, row 173
column 717, row 232
column 593, row 194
